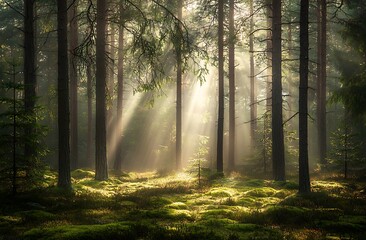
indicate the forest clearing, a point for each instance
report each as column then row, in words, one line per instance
column 156, row 205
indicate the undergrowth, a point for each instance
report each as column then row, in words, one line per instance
column 172, row 206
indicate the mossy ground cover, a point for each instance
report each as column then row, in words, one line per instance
column 154, row 206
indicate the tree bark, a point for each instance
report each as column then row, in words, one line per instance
column 220, row 122
column 101, row 166
column 253, row 100
column 178, row 152
column 73, row 44
column 321, row 80
column 304, row 179
column 278, row 156
column 269, row 56
column 231, row 162
column 120, row 87
column 90, row 112
column 266, row 123
column 111, row 131
column 30, row 80
column 64, row 179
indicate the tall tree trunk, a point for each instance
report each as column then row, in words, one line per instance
column 304, row 179
column 220, row 122
column 178, row 150
column 278, row 156
column 253, row 100
column 321, row 79
column 269, row 56
column 30, row 80
column 266, row 123
column 118, row 155
column 90, row 112
column 111, row 131
column 73, row 44
column 64, row 179
column 14, row 138
column 101, row 166
column 231, row 162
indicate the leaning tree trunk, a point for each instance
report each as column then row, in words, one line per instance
column 64, row 179
column 73, row 44
column 321, row 80
column 278, row 155
column 304, row 179
column 231, row 162
column 220, row 122
column 30, row 79
column 118, row 153
column 101, row 166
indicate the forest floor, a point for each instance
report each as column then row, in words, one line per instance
column 155, row 205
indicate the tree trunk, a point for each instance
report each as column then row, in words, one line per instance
column 253, row 100
column 73, row 44
column 266, row 123
column 278, row 157
column 321, row 79
column 178, row 152
column 231, row 162
column 118, row 154
column 30, row 80
column 304, row 179
column 269, row 56
column 90, row 112
column 101, row 166
column 14, row 138
column 220, row 122
column 109, row 95
column 64, row 179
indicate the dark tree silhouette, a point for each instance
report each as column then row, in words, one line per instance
column 220, row 121
column 73, row 44
column 64, row 179
column 30, row 80
column 321, row 79
column 304, row 179
column 101, row 167
column 278, row 155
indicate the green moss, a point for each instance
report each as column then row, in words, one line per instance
column 288, row 215
column 222, row 192
column 127, row 204
column 81, row 232
column 82, row 173
column 159, row 201
column 178, row 205
column 217, row 213
column 341, row 227
column 253, row 183
column 243, row 227
column 36, row 216
column 313, row 200
column 180, row 214
column 282, row 193
column 285, row 185
column 261, row 192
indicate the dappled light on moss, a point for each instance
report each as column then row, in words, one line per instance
column 172, row 205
